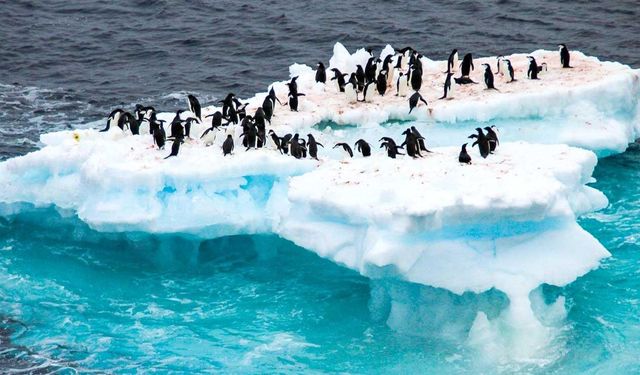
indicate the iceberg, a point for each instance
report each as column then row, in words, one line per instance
column 507, row 222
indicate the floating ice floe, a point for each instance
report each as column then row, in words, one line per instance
column 506, row 222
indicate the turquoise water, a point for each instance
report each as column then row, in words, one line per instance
column 73, row 299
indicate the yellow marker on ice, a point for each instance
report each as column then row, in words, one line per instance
column 76, row 137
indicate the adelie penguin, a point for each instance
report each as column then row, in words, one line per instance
column 532, row 73
column 363, row 147
column 464, row 157
column 194, row 107
column 293, row 101
column 351, row 91
column 371, row 69
column 227, row 146
column 175, row 147
column 368, row 88
column 209, row 136
column 413, row 101
column 416, row 79
column 448, row 87
column 452, row 61
column 391, row 146
column 411, row 144
column 227, row 103
column 360, row 77
column 482, row 141
column 488, row 77
column 466, row 66
column 402, row 85
column 381, row 82
column 113, row 119
column 275, row 139
column 312, row 146
column 565, row 57
column 345, row 147
column 159, row 135
column 421, row 139
column 492, row 137
column 338, row 76
column 321, row 73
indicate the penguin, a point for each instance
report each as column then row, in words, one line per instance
column 113, row 119
column 390, row 145
column 411, row 144
column 209, row 135
column 227, row 103
column 363, row 147
column 420, row 138
column 452, row 61
column 249, row 136
column 482, row 142
column 542, row 67
column 128, row 120
column 159, row 135
column 194, row 107
column 448, row 87
column 381, row 83
column 368, row 87
column 293, row 101
column 565, row 57
column 175, row 148
column 402, row 85
column 416, row 79
column 177, row 131
column 259, row 120
column 371, row 69
column 488, row 77
column 216, row 120
column 498, row 64
column 321, row 74
column 413, row 101
column 467, row 65
column 464, row 81
column 532, row 73
column 346, row 147
column 512, row 77
column 294, row 147
column 350, row 89
column 360, row 77
column 284, row 143
column 293, row 86
column 492, row 137
column 338, row 76
column 267, row 107
column 187, row 126
column 227, row 146
column 313, row 146
column 464, row 155
column 275, row 139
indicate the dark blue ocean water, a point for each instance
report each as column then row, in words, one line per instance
column 71, row 298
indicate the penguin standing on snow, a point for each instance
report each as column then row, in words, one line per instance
column 452, row 61
column 466, row 66
column 488, row 77
column 464, row 157
column 416, row 78
column 391, row 146
column 312, row 146
column 175, row 147
column 363, row 147
column 510, row 70
column 492, row 137
column 321, row 74
column 227, row 146
column 402, row 85
column 565, row 57
column 159, row 135
column 532, row 73
column 194, row 107
column 448, row 87
column 381, row 82
column 482, row 141
column 338, row 76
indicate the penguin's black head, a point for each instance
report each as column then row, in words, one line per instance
column 464, row 146
column 455, row 50
column 562, row 45
column 320, row 64
column 487, row 128
column 479, row 130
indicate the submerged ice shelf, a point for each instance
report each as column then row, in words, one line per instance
column 506, row 222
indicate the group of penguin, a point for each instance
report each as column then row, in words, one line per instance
column 377, row 74
column 406, row 73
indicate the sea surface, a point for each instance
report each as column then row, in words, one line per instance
column 74, row 300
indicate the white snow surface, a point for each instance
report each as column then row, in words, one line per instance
column 508, row 221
